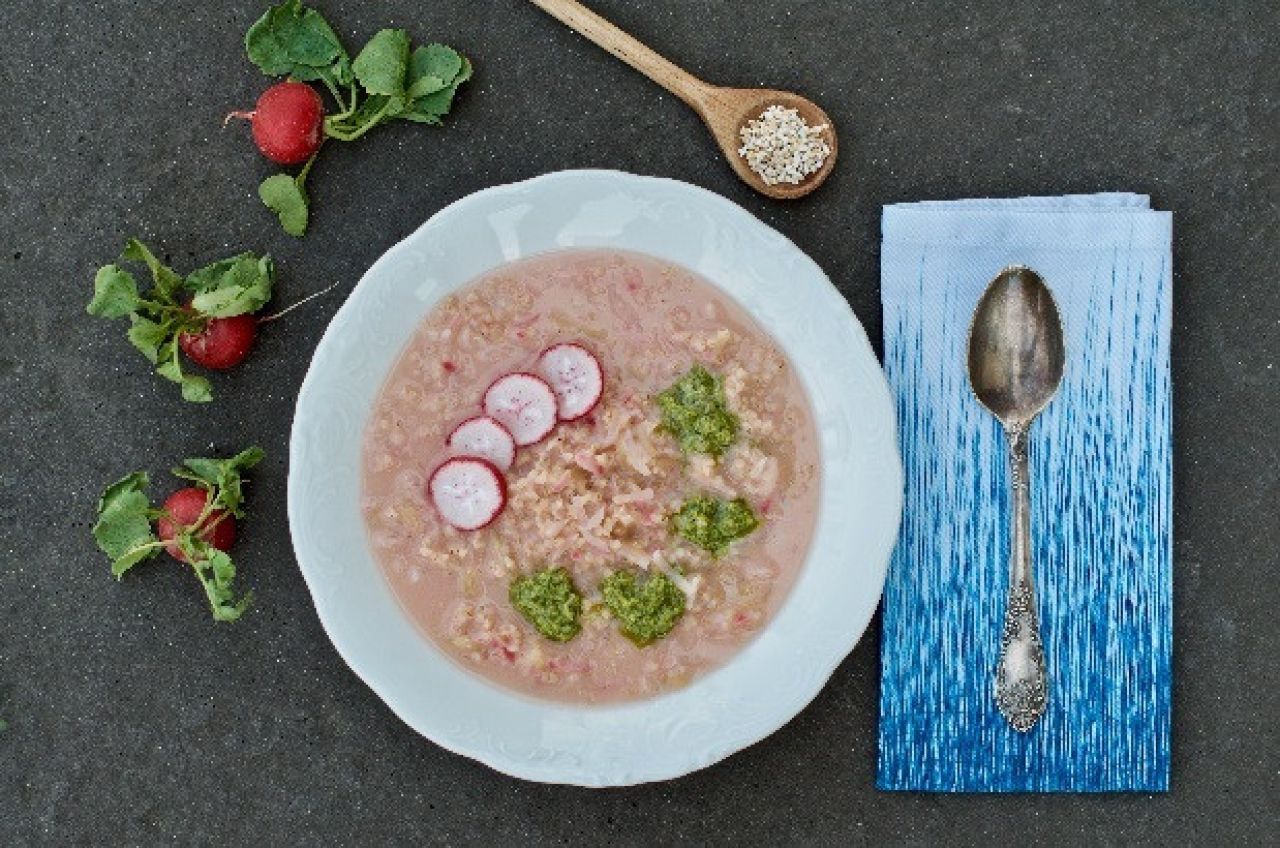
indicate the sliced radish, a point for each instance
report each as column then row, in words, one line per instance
column 575, row 376
column 484, row 437
column 468, row 492
column 523, row 403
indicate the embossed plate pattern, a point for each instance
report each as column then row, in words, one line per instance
column 774, row 676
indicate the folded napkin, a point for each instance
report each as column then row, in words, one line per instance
column 1101, row 481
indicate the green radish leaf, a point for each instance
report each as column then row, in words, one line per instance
column 432, row 108
column 132, row 557
column 431, row 69
column 168, row 365
column 381, row 65
column 147, row 336
column 220, row 273
column 166, row 281
column 222, row 476
column 123, row 523
column 233, row 286
column 217, row 573
column 282, row 195
column 115, row 293
column 196, row 389
column 293, row 40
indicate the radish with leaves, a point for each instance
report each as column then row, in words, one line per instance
column 207, row 314
column 386, row 81
column 196, row 525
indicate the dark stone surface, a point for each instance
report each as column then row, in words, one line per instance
column 134, row 719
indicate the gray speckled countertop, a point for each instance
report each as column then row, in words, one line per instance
column 134, row 720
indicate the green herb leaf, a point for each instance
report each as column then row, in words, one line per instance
column 381, row 65
column 147, row 336
column 283, row 195
column 233, row 286
column 431, row 69
column 123, row 529
column 166, row 281
column 645, row 612
column 432, row 108
column 222, row 476
column 713, row 524
column 294, row 40
column 549, row 601
column 115, row 293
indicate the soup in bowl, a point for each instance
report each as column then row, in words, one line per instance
column 590, row 476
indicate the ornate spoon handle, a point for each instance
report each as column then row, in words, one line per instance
column 1022, row 686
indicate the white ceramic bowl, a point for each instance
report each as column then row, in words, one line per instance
column 774, row 676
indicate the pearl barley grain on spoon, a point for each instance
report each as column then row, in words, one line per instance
column 781, row 147
column 783, row 170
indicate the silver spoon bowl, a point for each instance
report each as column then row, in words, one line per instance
column 1016, row 358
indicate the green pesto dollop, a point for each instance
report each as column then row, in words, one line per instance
column 695, row 411
column 549, row 601
column 645, row 612
column 712, row 524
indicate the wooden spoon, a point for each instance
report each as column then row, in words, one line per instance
column 723, row 110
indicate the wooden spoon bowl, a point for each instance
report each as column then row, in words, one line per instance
column 725, row 111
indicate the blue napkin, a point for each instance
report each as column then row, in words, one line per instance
column 1101, row 501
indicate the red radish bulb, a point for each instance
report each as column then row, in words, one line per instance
column 183, row 509
column 575, row 375
column 468, row 492
column 484, row 437
column 523, row 403
column 224, row 342
column 288, row 122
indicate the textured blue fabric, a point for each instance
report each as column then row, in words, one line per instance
column 1101, row 501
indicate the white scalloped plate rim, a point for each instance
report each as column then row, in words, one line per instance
column 777, row 674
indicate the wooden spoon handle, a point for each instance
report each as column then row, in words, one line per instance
column 673, row 78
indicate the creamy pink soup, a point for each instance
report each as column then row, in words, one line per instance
column 598, row 494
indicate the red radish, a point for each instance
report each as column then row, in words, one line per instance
column 468, row 492
column 576, row 377
column 288, row 122
column 523, row 403
column 484, row 437
column 182, row 509
column 224, row 342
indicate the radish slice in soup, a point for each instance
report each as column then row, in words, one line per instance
column 524, row 404
column 468, row 492
column 576, row 377
column 484, row 437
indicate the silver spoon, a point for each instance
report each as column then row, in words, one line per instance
column 1016, row 357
